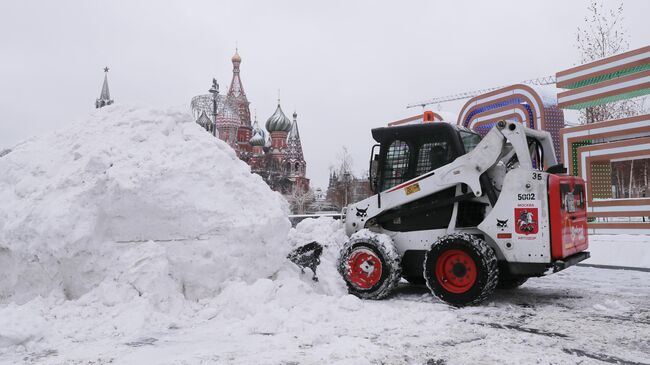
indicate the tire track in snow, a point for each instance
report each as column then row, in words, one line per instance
column 602, row 357
column 535, row 331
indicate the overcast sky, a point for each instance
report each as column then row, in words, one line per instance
column 345, row 66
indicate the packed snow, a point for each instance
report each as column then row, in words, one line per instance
column 134, row 237
column 627, row 250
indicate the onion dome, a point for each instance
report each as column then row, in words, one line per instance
column 257, row 139
column 278, row 122
column 204, row 120
column 236, row 57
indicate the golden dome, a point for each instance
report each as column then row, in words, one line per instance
column 236, row 57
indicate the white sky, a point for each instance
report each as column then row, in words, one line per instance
column 345, row 66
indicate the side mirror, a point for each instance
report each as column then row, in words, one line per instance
column 373, row 174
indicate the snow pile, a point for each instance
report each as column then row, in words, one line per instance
column 113, row 313
column 136, row 222
column 134, row 202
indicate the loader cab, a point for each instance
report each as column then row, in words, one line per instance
column 406, row 152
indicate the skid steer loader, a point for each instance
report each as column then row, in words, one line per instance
column 462, row 214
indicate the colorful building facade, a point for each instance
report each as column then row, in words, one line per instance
column 613, row 156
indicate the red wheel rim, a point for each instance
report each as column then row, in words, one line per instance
column 456, row 271
column 364, row 268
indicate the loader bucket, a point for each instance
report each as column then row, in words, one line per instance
column 307, row 256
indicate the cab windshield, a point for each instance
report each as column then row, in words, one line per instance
column 470, row 140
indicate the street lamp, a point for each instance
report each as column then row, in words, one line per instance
column 214, row 90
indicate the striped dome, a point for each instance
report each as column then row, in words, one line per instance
column 278, row 122
column 257, row 139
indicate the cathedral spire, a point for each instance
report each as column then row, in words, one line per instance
column 236, row 87
column 105, row 96
column 236, row 94
column 293, row 140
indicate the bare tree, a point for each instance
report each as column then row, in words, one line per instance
column 603, row 35
column 345, row 174
column 345, row 161
column 617, row 183
column 645, row 175
column 300, row 198
column 630, row 189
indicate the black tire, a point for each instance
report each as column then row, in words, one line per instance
column 508, row 283
column 390, row 267
column 415, row 280
column 472, row 288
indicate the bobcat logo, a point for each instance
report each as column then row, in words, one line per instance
column 362, row 212
column 502, row 223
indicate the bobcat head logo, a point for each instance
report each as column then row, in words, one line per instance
column 502, row 223
column 362, row 212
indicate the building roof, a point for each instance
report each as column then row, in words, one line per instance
column 294, row 144
column 278, row 122
column 259, row 137
column 204, row 120
column 236, row 87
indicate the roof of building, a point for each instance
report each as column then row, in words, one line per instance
column 236, row 87
column 204, row 120
column 236, row 57
column 293, row 140
column 259, row 137
column 278, row 122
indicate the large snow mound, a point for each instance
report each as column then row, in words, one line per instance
column 137, row 197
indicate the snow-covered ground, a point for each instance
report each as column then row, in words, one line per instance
column 620, row 250
column 134, row 237
column 581, row 315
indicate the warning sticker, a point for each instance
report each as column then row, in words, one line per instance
column 413, row 188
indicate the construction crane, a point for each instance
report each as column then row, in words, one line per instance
column 546, row 80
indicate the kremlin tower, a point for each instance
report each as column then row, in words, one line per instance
column 105, row 96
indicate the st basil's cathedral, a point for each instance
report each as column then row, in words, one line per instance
column 273, row 152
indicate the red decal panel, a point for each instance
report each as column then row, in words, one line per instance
column 568, row 213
